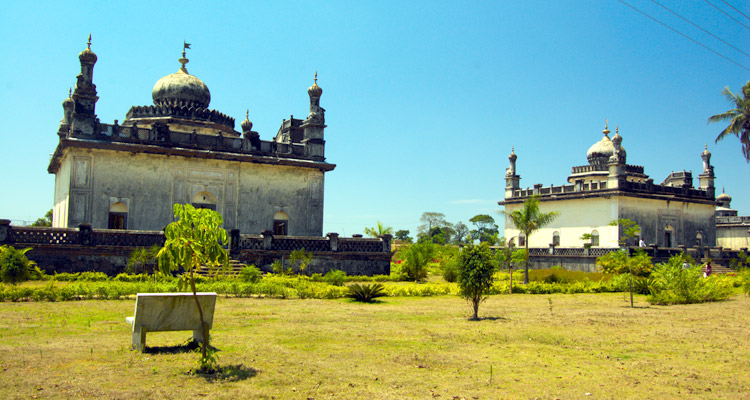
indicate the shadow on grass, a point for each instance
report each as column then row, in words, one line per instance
column 489, row 319
column 188, row 347
column 229, row 373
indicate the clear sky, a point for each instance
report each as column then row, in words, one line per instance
column 424, row 99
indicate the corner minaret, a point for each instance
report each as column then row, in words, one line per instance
column 511, row 179
column 314, row 125
column 84, row 96
column 68, row 105
column 616, row 162
column 706, row 179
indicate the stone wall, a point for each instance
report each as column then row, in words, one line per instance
column 107, row 250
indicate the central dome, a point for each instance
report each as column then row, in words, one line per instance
column 600, row 152
column 181, row 89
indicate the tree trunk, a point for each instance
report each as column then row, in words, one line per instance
column 200, row 313
column 475, row 303
column 526, row 263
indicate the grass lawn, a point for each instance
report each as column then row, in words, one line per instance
column 586, row 346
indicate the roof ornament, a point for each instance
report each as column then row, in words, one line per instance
column 183, row 60
column 606, row 129
column 88, row 45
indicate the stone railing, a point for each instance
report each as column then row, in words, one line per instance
column 330, row 243
column 83, row 235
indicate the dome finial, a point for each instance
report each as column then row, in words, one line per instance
column 183, row 60
column 70, row 92
column 247, row 113
column 315, row 80
column 88, row 45
column 606, row 129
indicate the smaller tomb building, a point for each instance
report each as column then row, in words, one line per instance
column 672, row 213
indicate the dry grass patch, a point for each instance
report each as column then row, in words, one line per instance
column 537, row 346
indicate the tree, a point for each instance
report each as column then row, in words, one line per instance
column 379, row 230
column 529, row 220
column 461, row 231
column 402, row 235
column 417, row 256
column 477, row 268
column 738, row 118
column 46, row 221
column 430, row 220
column 486, row 229
column 194, row 239
column 630, row 230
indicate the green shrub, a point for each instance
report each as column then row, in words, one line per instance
column 90, row 276
column 745, row 280
column 416, row 258
column 366, row 292
column 335, row 277
column 620, row 262
column 250, row 274
column 672, row 284
column 14, row 266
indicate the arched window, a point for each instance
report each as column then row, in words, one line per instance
column 556, row 238
column 594, row 238
column 204, row 200
column 699, row 240
column 521, row 239
column 280, row 223
column 118, row 216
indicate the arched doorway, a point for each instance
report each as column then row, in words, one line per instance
column 204, row 200
column 280, row 223
column 118, row 216
column 668, row 235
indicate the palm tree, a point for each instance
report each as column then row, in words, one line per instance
column 529, row 220
column 738, row 117
column 379, row 230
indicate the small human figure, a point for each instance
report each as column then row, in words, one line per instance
column 641, row 243
column 708, row 269
column 685, row 265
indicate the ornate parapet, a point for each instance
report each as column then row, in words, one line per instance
column 180, row 111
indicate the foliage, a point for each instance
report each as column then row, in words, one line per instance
column 195, row 239
column 335, row 277
column 142, row 259
column 250, row 274
column 738, row 118
column 449, row 265
column 402, row 235
column 620, row 262
column 430, row 220
column 299, row 260
column 46, row 221
column 14, row 266
column 672, row 284
column 485, row 230
column 416, row 257
column 379, row 230
column 744, row 276
column 629, row 229
column 366, row 292
column 741, row 261
column 461, row 232
column 477, row 267
column 528, row 220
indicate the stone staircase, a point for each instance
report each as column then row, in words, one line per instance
column 233, row 271
column 719, row 269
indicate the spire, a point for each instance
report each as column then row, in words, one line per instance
column 606, row 130
column 183, row 60
column 247, row 126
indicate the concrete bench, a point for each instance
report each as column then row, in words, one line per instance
column 159, row 312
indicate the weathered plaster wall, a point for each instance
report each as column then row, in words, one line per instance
column 686, row 219
column 62, row 193
column 577, row 216
column 733, row 237
column 246, row 194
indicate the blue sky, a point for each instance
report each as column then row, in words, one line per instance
column 424, row 99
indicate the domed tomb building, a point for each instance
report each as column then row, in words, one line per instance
column 670, row 214
column 178, row 150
